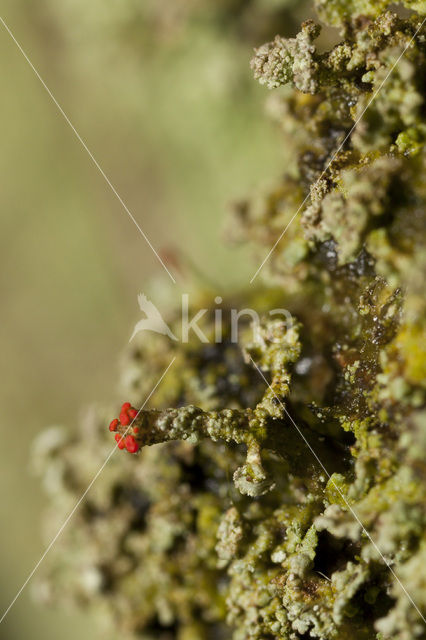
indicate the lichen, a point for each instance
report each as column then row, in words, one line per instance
column 292, row 508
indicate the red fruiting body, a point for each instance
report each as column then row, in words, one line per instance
column 113, row 425
column 124, row 419
column 127, row 414
column 131, row 444
column 120, row 441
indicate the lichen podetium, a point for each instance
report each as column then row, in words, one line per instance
column 222, row 524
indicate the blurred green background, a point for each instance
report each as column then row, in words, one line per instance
column 163, row 96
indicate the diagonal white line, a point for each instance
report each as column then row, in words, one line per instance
column 341, row 494
column 95, row 477
column 346, row 138
column 86, row 148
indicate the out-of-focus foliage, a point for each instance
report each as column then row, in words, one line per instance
column 297, row 510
